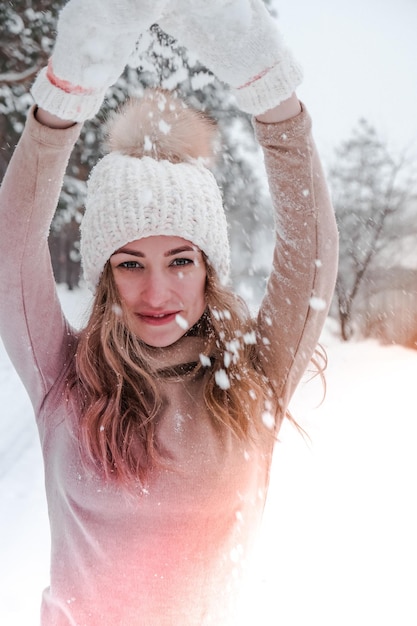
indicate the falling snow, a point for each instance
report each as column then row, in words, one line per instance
column 164, row 127
column 249, row 338
column 205, row 360
column 318, row 304
column 343, row 500
column 222, row 379
column 268, row 420
column 147, row 143
column 117, row 309
column 182, row 322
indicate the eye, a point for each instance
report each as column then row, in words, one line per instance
column 180, row 262
column 130, row 265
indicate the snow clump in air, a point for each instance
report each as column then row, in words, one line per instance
column 221, row 315
column 267, row 416
column 205, row 360
column 182, row 322
column 164, row 127
column 222, row 379
column 249, row 338
column 117, row 309
column 318, row 304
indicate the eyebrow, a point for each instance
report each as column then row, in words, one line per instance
column 172, row 252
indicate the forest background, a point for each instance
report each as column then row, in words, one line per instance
column 372, row 175
column 339, row 543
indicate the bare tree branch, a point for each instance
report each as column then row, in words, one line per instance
column 370, row 188
column 19, row 77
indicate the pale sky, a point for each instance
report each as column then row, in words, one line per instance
column 360, row 60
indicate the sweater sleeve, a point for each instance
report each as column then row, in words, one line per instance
column 302, row 280
column 32, row 326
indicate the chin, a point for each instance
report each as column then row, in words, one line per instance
column 160, row 342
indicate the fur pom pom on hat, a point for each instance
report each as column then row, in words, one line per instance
column 154, row 181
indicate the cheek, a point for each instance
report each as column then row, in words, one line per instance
column 193, row 289
column 200, row 302
column 126, row 290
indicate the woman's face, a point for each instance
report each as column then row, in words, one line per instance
column 161, row 281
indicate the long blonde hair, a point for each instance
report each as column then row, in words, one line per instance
column 118, row 390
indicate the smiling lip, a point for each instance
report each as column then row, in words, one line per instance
column 158, row 319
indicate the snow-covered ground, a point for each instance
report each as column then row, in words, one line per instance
column 339, row 541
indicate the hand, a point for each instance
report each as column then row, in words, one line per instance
column 238, row 40
column 94, row 41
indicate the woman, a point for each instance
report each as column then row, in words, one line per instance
column 158, row 420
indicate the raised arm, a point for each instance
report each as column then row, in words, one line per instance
column 31, row 323
column 302, row 280
column 240, row 42
column 94, row 40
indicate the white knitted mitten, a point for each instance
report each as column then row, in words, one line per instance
column 94, row 41
column 238, row 40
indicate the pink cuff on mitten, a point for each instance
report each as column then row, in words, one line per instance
column 270, row 87
column 65, row 85
column 61, row 98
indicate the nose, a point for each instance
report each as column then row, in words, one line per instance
column 156, row 290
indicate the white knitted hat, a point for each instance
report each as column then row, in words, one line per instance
column 154, row 182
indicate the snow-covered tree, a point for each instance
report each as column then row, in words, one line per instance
column 371, row 191
column 27, row 30
column 159, row 61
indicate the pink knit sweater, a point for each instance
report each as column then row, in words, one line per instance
column 173, row 554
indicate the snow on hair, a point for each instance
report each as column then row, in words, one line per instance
column 160, row 125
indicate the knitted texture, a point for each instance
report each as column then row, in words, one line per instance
column 76, row 106
column 154, row 182
column 130, row 198
column 239, row 41
column 94, row 42
column 267, row 90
